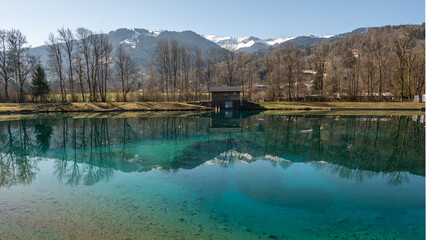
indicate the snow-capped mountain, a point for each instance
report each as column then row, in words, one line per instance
column 252, row 44
column 244, row 43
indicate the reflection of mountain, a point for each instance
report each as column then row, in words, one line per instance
column 88, row 150
column 200, row 152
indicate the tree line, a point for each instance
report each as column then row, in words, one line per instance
column 382, row 64
column 81, row 66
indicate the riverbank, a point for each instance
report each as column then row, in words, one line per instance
column 15, row 108
column 353, row 106
column 12, row 108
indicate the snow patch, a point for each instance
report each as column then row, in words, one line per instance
column 132, row 40
column 273, row 42
column 230, row 156
column 276, row 159
column 157, row 32
column 135, row 37
column 216, row 39
column 129, row 42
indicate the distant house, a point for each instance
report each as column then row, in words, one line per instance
column 226, row 97
column 420, row 98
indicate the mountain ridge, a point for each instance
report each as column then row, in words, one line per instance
column 141, row 43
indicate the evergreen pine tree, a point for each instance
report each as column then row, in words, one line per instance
column 40, row 85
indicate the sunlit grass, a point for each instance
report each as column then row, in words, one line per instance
column 328, row 105
column 97, row 106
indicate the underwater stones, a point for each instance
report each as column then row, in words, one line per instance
column 270, row 236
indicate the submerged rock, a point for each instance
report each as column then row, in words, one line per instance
column 272, row 236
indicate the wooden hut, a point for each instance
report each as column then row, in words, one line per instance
column 226, row 97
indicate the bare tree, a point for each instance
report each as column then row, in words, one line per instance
column 22, row 62
column 126, row 71
column 270, row 79
column 150, row 87
column 174, row 66
column 369, row 66
column 320, row 59
column 79, row 69
column 106, row 49
column 198, row 73
column 161, row 61
column 85, row 49
column 290, row 55
column 299, row 66
column 96, row 44
column 56, row 63
column 400, row 50
column 350, row 52
column 232, row 61
column 381, row 51
column 419, row 72
column 211, row 70
column 4, row 62
column 66, row 36
column 411, row 57
column 185, row 71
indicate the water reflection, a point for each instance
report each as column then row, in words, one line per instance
column 18, row 153
column 88, row 150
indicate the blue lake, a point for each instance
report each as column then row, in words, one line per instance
column 233, row 175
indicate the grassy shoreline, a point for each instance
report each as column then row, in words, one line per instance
column 12, row 108
column 326, row 106
column 17, row 108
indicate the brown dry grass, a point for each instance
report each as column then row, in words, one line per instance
column 98, row 107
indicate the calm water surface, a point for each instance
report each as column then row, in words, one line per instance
column 234, row 175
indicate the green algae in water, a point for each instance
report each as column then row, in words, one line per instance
column 237, row 175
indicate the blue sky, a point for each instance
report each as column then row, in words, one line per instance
column 239, row 18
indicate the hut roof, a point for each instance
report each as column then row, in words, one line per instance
column 226, row 89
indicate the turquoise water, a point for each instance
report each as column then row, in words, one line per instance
column 234, row 175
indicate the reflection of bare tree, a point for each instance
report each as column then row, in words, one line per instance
column 394, row 178
column 16, row 167
column 90, row 149
column 397, row 178
column 61, row 164
column 89, row 157
column 357, row 146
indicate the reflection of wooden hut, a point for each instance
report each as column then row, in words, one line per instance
column 225, row 121
column 228, row 121
column 226, row 97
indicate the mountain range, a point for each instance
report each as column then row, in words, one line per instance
column 141, row 43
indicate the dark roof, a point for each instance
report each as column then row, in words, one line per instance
column 226, row 89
